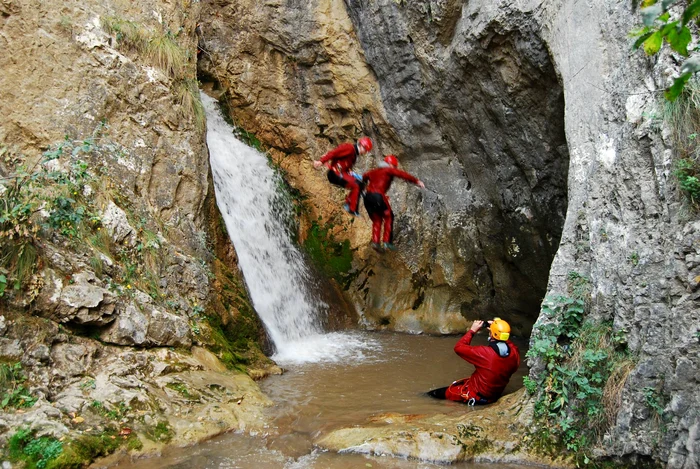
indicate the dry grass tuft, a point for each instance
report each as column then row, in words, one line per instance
column 168, row 55
column 612, row 393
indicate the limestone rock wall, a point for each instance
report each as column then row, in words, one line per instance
column 529, row 123
column 626, row 226
column 113, row 85
column 455, row 99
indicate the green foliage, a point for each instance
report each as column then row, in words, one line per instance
column 182, row 389
column 634, row 258
column 12, row 392
column 55, row 185
column 187, row 96
column 579, row 286
column 530, row 385
column 128, row 34
column 683, row 119
column 332, row 257
column 231, row 341
column 576, row 395
column 163, row 50
column 688, row 173
column 113, row 412
column 167, row 54
column 161, row 432
column 77, row 453
column 654, row 400
column 470, row 437
column 659, row 27
column 33, row 452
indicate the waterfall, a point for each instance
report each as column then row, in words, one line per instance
column 248, row 196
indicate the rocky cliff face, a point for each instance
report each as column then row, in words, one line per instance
column 106, row 233
column 473, row 107
column 529, row 123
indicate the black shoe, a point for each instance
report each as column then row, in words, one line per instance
column 377, row 247
column 389, row 246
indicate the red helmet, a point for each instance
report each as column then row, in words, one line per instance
column 366, row 143
column 391, row 159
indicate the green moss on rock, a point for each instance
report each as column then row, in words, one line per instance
column 334, row 258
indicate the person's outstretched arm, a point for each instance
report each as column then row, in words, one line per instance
column 341, row 151
column 408, row 177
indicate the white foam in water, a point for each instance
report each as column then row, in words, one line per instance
column 330, row 347
column 247, row 195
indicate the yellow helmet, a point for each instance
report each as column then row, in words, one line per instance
column 500, row 330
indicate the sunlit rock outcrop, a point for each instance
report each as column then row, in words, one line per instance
column 108, row 247
column 473, row 108
column 536, row 132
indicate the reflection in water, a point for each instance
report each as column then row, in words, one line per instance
column 314, row 398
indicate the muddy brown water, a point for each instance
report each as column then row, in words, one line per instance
column 391, row 375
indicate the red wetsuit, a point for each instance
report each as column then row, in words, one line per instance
column 377, row 183
column 492, row 372
column 340, row 160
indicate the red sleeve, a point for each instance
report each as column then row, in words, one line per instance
column 476, row 355
column 404, row 175
column 341, row 151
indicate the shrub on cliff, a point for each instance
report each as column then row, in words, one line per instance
column 585, row 365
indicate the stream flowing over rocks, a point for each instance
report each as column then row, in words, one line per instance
column 532, row 123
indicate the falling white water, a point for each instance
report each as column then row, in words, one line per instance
column 247, row 194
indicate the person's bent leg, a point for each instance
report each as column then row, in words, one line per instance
column 454, row 391
column 353, row 198
column 336, row 179
column 375, row 208
column 388, row 217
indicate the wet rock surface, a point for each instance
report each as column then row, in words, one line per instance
column 89, row 387
column 480, row 434
column 533, row 128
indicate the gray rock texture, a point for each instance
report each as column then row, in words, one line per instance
column 471, row 103
column 136, row 270
column 532, row 125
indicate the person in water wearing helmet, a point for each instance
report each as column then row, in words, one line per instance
column 340, row 161
column 495, row 363
column 377, row 183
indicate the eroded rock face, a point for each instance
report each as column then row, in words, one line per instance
column 526, row 121
column 84, row 386
column 473, row 107
column 136, row 270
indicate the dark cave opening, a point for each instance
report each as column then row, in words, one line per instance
column 512, row 145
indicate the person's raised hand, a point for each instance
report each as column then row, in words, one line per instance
column 476, row 325
column 317, row 164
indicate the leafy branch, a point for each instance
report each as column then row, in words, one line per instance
column 660, row 26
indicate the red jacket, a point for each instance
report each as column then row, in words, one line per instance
column 380, row 179
column 492, row 371
column 341, row 158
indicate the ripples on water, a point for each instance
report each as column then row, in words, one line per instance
column 381, row 372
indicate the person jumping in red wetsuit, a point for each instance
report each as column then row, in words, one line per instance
column 377, row 183
column 495, row 363
column 340, row 161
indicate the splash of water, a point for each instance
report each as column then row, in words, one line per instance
column 247, row 194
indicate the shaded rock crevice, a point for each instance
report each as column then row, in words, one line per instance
column 482, row 121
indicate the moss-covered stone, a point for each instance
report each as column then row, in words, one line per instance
column 333, row 258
